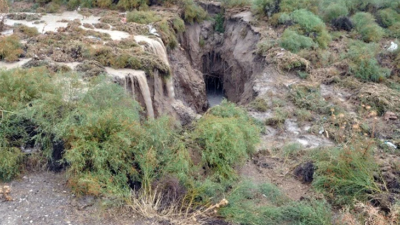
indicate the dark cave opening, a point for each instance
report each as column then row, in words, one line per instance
column 213, row 73
column 214, row 89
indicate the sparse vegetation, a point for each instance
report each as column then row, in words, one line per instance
column 143, row 17
column 363, row 63
column 10, row 48
column 265, row 204
column 347, row 173
column 265, row 7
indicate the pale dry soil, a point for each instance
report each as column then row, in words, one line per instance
column 44, row 198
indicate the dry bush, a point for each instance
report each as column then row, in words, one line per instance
column 287, row 61
column 152, row 204
column 3, row 6
column 379, row 97
column 373, row 216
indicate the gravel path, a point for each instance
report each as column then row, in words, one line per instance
column 44, row 198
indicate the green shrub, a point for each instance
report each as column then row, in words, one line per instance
column 52, row 7
column 167, row 33
column 192, row 12
column 294, row 42
column 363, row 63
column 178, row 24
column 387, row 17
column 132, row 4
column 143, row 17
column 334, row 11
column 10, row 48
column 226, row 136
column 259, row 104
column 290, row 5
column 302, row 75
column 264, row 45
column 104, row 3
column 366, row 26
column 251, row 204
column 10, row 163
column 323, row 37
column 312, row 25
column 308, row 97
column 28, row 31
column 219, row 23
column 303, row 115
column 345, row 174
column 394, row 30
column 307, row 20
column 264, row 7
column 235, row 3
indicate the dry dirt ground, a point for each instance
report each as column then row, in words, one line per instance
column 44, row 198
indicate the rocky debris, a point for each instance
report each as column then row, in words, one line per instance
column 186, row 114
column 305, row 172
column 88, row 25
column 101, row 26
column 23, row 16
column 90, row 68
column 54, row 67
column 5, row 193
column 389, row 116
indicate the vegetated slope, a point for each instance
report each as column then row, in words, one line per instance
column 109, row 149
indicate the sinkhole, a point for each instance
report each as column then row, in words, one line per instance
column 213, row 73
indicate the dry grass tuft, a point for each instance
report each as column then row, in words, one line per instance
column 153, row 204
column 373, row 216
column 3, row 6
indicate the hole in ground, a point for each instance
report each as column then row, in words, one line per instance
column 214, row 89
column 213, row 73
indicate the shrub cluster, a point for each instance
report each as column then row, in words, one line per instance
column 251, row 204
column 366, row 26
column 363, row 63
column 10, row 48
column 346, row 174
column 294, row 42
column 108, row 148
column 227, row 136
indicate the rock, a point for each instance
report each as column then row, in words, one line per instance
column 186, row 114
column 389, row 116
column 393, row 47
column 305, row 172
